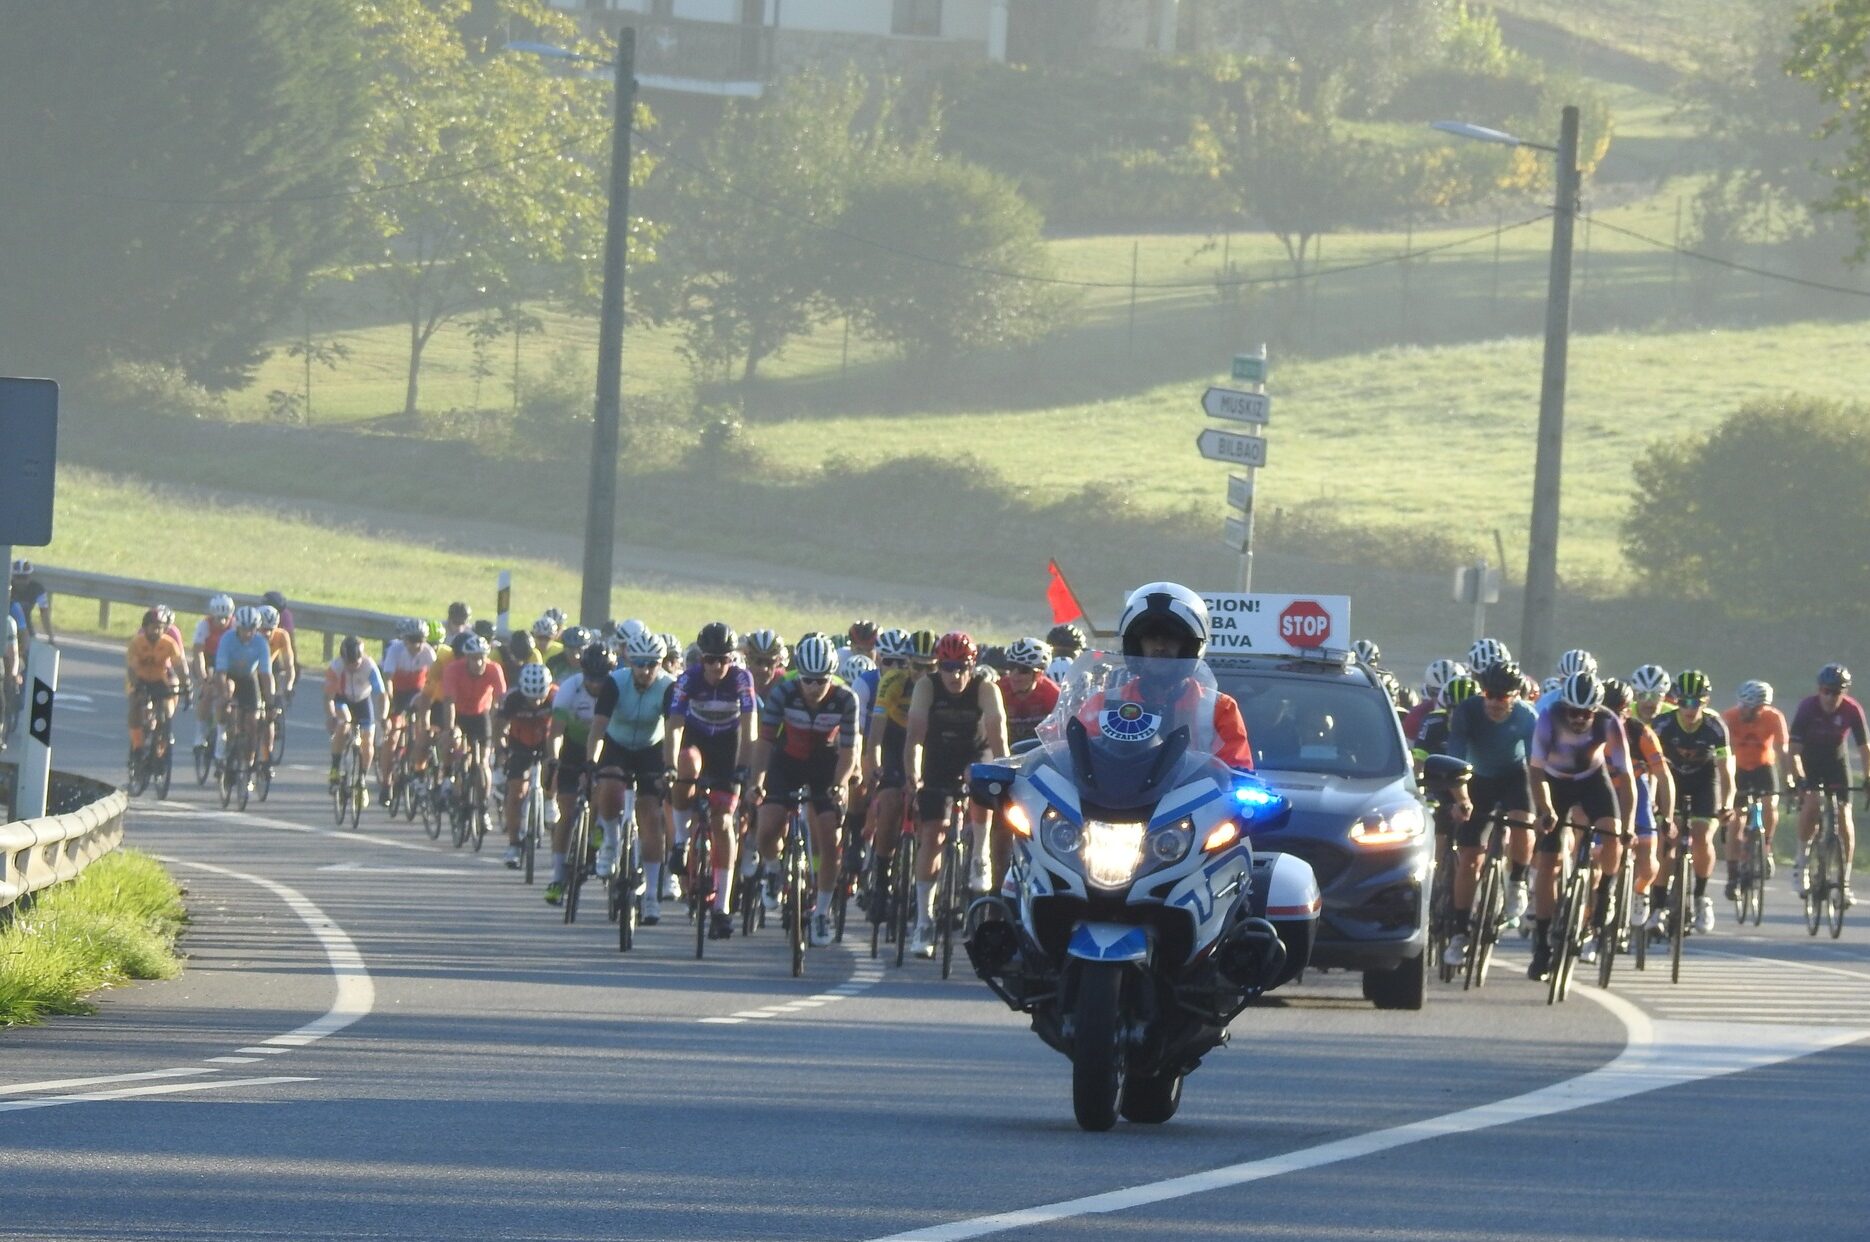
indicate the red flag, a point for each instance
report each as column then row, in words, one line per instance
column 1065, row 605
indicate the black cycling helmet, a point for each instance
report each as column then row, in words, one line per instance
column 458, row 640
column 594, row 660
column 1065, row 640
column 484, row 628
column 1500, row 678
column 1834, row 677
column 352, row 648
column 519, row 646
column 275, row 598
column 863, row 630
column 717, row 638
column 1616, row 695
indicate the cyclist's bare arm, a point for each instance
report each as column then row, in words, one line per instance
column 917, row 731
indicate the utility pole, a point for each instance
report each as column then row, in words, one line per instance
column 600, row 516
column 1535, row 643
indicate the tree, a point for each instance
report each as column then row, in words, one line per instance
column 1349, row 54
column 923, row 277
column 1688, row 525
column 1783, row 149
column 172, row 168
column 494, row 163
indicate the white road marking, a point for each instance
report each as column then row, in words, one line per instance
column 1658, row 1054
column 246, row 820
column 268, row 1051
column 53, row 1101
column 61, row 1084
column 863, row 977
column 233, row 1060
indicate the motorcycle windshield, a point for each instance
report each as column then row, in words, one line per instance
column 1130, row 728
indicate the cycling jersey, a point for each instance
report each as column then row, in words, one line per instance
column 709, row 709
column 1025, row 711
column 957, row 732
column 1431, row 738
column 208, row 636
column 865, row 688
column 1495, row 748
column 635, row 715
column 894, row 689
column 149, row 661
column 573, row 706
column 1567, row 754
column 474, row 694
column 243, row 657
column 1690, row 750
column 280, row 644
column 527, row 720
column 1413, row 718
column 1756, row 742
column 1821, row 733
column 809, row 730
column 1645, row 750
column 353, row 685
column 406, row 668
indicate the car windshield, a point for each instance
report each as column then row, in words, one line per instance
column 1309, row 724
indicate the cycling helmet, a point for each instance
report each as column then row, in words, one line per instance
column 165, row 614
column 1438, row 674
column 1390, row 685
column 153, row 617
column 1368, row 652
column 627, row 629
column 1755, row 694
column 1028, row 653
column 1501, row 679
column 474, row 645
column 594, row 660
column 433, row 633
column 1528, row 688
column 1065, row 639
column 716, row 639
column 814, row 656
column 484, row 630
column 763, row 645
column 574, row 639
column 21, row 567
column 519, row 647
column 893, row 644
column 1060, row 665
column 644, row 646
column 409, row 627
column 671, row 648
column 956, row 646
column 1456, row 690
column 1577, row 660
column 853, row 664
column 1650, row 679
column 269, row 618
column 922, row 645
column 1582, row 692
column 1164, row 608
column 534, row 680
column 557, row 616
column 458, row 640
column 1834, row 677
column 1407, row 698
column 1551, row 685
column 1485, row 653
column 352, row 648
column 1693, row 684
column 1616, row 695
column 221, row 607
column 862, row 631
column 545, row 629
column 691, row 655
column 275, row 598
column 247, row 618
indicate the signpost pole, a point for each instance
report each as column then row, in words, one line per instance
column 1480, row 599
column 1246, row 547
column 503, row 602
column 35, row 762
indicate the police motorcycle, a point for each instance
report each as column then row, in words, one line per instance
column 1137, row 921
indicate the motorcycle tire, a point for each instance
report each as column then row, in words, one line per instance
column 1096, row 1055
column 1151, row 1100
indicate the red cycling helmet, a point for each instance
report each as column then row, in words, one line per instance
column 956, row 646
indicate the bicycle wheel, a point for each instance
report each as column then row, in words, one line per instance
column 701, row 879
column 227, row 782
column 165, row 765
column 1565, row 951
column 534, row 829
column 263, row 781
column 952, row 902
column 434, row 804
column 903, row 896
column 1678, row 909
column 1441, row 913
column 243, row 778
column 1756, row 876
column 1834, row 865
column 1616, row 920
column 277, row 755
column 876, row 899
column 1484, row 924
column 796, row 877
column 577, row 854
column 478, row 821
column 138, row 770
column 629, row 875
column 204, row 761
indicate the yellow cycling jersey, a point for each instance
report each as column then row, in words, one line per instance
column 893, row 692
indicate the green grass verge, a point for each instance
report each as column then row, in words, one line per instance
column 117, row 921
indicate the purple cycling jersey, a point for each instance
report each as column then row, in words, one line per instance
column 1569, row 753
column 1819, row 731
column 711, row 709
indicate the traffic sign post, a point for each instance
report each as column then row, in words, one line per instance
column 1236, row 406
column 1252, row 406
column 1218, row 445
column 1240, row 493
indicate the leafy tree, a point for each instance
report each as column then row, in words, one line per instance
column 171, row 172
column 940, row 232
column 1349, row 54
column 1763, row 110
column 495, row 164
column 1688, row 524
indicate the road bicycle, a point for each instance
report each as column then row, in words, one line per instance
column 532, row 819
column 468, row 814
column 1613, row 928
column 580, row 851
column 698, row 868
column 1824, row 864
column 154, row 760
column 749, row 901
column 902, row 898
column 1750, row 867
column 951, row 893
column 347, row 791
column 1676, row 839
column 236, row 767
column 1571, row 920
column 429, row 788
column 1441, row 928
column 1489, row 910
column 796, row 885
column 853, row 866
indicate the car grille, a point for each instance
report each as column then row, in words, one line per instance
column 1326, row 862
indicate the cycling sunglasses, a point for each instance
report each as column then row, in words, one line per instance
column 954, row 666
column 813, row 681
column 708, row 659
column 892, row 662
column 646, row 663
column 1503, row 696
column 764, row 663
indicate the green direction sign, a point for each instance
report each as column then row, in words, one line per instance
column 1250, row 368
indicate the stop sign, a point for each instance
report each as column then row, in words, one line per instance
column 1305, row 623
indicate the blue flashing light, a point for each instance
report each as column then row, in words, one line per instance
column 1255, row 797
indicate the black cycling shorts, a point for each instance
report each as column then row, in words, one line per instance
column 817, row 775
column 1512, row 792
column 641, row 768
column 720, row 754
column 1825, row 772
column 571, row 768
column 1694, row 793
column 400, row 701
column 357, row 711
column 520, row 757
column 1762, row 781
column 938, row 794
column 890, row 771
column 1592, row 792
column 247, row 694
column 475, row 729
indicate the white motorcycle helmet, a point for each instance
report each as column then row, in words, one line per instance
column 1164, row 607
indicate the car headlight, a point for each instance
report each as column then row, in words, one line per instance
column 1396, row 826
column 1170, row 844
column 1111, row 852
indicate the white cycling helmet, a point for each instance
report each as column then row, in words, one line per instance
column 1651, row 679
column 814, row 656
column 644, row 646
column 626, row 629
column 1582, row 692
column 1756, row 694
column 1438, row 674
column 21, row 567
column 410, row 627
column 893, row 644
column 763, row 645
column 269, row 618
column 473, row 645
column 1367, row 652
column 247, row 618
column 1577, row 660
column 221, row 607
column 534, row 680
column 1059, row 666
column 545, row 629
column 1551, row 685
column 1164, row 607
column 853, row 663
column 1032, row 653
column 1485, row 653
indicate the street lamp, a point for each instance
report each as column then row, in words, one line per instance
column 600, row 514
column 1535, row 641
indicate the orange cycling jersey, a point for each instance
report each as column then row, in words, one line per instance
column 1756, row 742
column 280, row 643
column 149, row 661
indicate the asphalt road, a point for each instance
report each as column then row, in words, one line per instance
column 377, row 1037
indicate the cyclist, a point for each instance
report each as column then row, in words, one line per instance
column 573, row 709
column 459, row 615
column 1759, row 735
column 1067, row 642
column 807, row 741
column 156, row 667
column 765, row 654
column 1819, row 730
column 1649, row 693
column 955, row 718
column 545, row 639
column 885, row 740
column 405, row 661
column 29, row 593
column 354, row 699
column 1655, row 794
column 625, row 751
column 1367, row 653
column 710, row 737
column 1438, row 674
column 524, row 720
column 1493, row 732
column 1578, row 759
column 285, row 675
column 1432, row 737
column 214, row 625
column 1695, row 743
column 243, row 663
column 563, row 662
column 1485, row 653
column 471, row 684
column 863, row 638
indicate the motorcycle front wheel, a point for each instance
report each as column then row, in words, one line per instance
column 1096, row 1058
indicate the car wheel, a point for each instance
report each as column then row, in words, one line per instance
column 1402, row 986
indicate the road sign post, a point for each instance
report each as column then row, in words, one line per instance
column 503, row 603
column 1248, row 405
column 35, row 760
column 1218, row 445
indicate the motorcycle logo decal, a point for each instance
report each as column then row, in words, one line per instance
column 1129, row 723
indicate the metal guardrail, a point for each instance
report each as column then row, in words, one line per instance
column 35, row 854
column 334, row 623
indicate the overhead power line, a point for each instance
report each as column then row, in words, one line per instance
column 1730, row 264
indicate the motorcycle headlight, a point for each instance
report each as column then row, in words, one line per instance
column 1062, row 837
column 1170, row 844
column 1111, row 852
column 1396, row 826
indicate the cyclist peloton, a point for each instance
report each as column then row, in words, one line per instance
column 625, row 753
column 1493, row 732
column 524, row 719
column 1820, row 727
column 1694, row 741
column 710, row 737
column 1758, row 733
column 285, row 673
column 808, row 740
column 354, row 699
